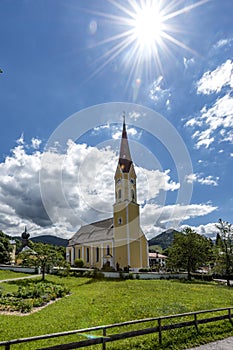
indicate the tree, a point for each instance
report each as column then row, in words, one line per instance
column 5, row 248
column 189, row 251
column 43, row 256
column 224, row 262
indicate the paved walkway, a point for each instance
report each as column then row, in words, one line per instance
column 19, row 278
column 225, row 344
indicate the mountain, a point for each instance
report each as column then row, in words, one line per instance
column 164, row 239
column 48, row 239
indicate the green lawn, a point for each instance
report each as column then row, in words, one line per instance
column 99, row 302
column 5, row 274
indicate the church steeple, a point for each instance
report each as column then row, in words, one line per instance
column 125, row 160
column 125, row 176
column 130, row 243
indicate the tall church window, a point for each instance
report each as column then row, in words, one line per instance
column 88, row 255
column 97, row 254
column 133, row 195
column 119, row 221
column 108, row 250
column 119, row 194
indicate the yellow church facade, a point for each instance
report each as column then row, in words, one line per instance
column 117, row 242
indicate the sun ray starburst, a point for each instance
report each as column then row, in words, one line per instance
column 141, row 32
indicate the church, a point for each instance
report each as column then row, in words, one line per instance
column 117, row 242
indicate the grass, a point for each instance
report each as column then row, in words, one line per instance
column 99, row 302
column 5, row 274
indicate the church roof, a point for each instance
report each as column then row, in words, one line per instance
column 94, row 232
column 125, row 160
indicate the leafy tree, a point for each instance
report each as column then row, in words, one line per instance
column 5, row 248
column 224, row 263
column 189, row 251
column 43, row 256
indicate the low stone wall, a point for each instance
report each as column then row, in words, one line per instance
column 16, row 268
column 146, row 275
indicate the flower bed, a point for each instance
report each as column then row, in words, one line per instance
column 31, row 296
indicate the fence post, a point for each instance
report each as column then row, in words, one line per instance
column 229, row 315
column 104, row 335
column 195, row 322
column 160, row 331
column 7, row 347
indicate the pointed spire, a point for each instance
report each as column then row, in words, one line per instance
column 125, row 160
column 124, row 133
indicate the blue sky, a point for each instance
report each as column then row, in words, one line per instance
column 70, row 69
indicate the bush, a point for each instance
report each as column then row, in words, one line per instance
column 79, row 263
column 145, row 270
column 203, row 277
column 26, row 305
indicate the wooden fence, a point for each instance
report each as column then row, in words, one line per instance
column 157, row 325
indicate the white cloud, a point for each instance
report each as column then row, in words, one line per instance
column 217, row 117
column 214, row 122
column 188, row 62
column 77, row 187
column 151, row 182
column 209, row 230
column 158, row 94
column 222, row 42
column 98, row 129
column 35, row 143
column 155, row 219
column 209, row 180
column 117, row 132
column 20, row 140
column 213, row 82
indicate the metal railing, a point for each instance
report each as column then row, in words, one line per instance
column 103, row 339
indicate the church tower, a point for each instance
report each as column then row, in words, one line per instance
column 131, row 248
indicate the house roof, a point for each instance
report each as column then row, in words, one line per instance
column 157, row 256
column 94, row 232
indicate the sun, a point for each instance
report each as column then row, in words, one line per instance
column 147, row 26
column 142, row 32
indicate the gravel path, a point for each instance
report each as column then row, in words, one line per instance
column 225, row 344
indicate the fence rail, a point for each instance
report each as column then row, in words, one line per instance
column 159, row 327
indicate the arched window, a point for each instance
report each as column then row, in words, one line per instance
column 119, row 194
column 97, row 254
column 119, row 221
column 108, row 250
